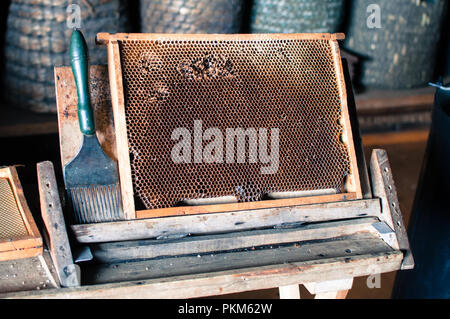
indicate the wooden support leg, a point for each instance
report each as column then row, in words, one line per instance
column 52, row 215
column 289, row 292
column 332, row 289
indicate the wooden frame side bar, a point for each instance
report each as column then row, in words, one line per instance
column 353, row 181
column 118, row 104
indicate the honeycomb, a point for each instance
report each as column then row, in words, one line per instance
column 11, row 222
column 287, row 84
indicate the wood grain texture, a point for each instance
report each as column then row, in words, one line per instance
column 318, row 250
column 231, row 281
column 118, row 105
column 35, row 272
column 223, row 222
column 144, row 249
column 70, row 137
column 244, row 206
column 104, row 38
column 53, row 218
column 384, row 187
column 353, row 182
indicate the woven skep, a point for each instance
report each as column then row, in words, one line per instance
column 37, row 39
column 402, row 53
column 191, row 16
column 296, row 16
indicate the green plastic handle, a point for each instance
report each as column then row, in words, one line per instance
column 79, row 61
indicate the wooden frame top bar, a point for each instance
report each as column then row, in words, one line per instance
column 104, row 38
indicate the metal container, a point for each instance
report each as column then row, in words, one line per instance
column 429, row 230
column 398, row 41
column 296, row 16
column 37, row 39
column 191, row 16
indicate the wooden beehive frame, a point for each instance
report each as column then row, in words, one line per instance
column 27, row 246
column 353, row 184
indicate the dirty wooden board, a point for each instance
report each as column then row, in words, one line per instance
column 144, row 249
column 27, row 274
column 344, row 246
column 384, row 187
column 231, row 281
column 223, row 222
column 52, row 215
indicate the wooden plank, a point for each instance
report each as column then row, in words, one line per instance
column 118, row 106
column 53, row 218
column 70, row 137
column 230, row 281
column 35, row 272
column 223, row 222
column 348, row 246
column 353, row 182
column 136, row 250
column 20, row 253
column 105, row 38
column 384, row 187
column 203, row 209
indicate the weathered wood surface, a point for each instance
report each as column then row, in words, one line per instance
column 53, row 218
column 231, row 281
column 384, row 187
column 144, row 249
column 105, row 38
column 27, row 274
column 244, row 206
column 318, row 250
column 223, row 222
column 70, row 137
column 118, row 107
column 353, row 182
